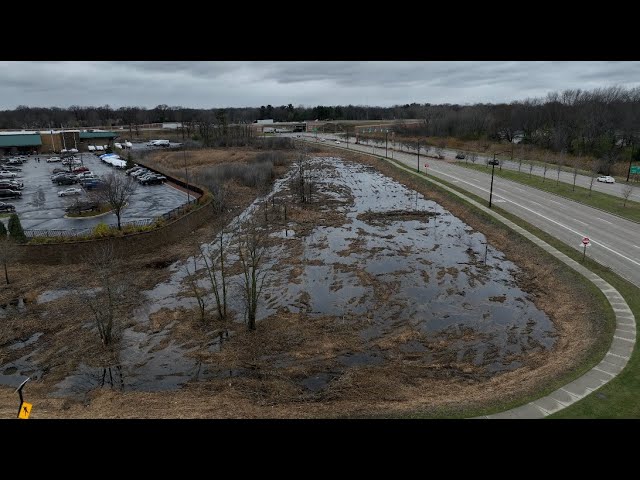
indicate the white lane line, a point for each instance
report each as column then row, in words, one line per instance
column 550, row 220
column 579, row 221
column 605, row 221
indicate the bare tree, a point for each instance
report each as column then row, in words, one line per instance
column 107, row 301
column 576, row 162
column 8, row 250
column 627, row 190
column 218, row 285
column 595, row 168
column 116, row 191
column 473, row 156
column 198, row 292
column 251, row 252
column 544, row 171
column 559, row 167
column 530, row 169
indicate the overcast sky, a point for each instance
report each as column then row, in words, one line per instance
column 252, row 84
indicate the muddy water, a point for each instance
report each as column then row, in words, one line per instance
column 398, row 260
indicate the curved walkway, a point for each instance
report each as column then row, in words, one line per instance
column 624, row 337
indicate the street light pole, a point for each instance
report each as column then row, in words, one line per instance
column 493, row 168
column 418, row 157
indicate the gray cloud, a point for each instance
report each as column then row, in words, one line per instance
column 238, row 84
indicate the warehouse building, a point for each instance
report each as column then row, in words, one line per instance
column 12, row 143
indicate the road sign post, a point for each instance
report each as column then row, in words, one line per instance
column 24, row 410
column 426, row 165
column 585, row 243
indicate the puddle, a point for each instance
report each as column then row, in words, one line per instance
column 32, row 339
column 319, row 382
column 50, row 295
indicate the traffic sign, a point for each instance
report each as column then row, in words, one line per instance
column 586, row 241
column 426, row 165
column 635, row 169
column 25, row 410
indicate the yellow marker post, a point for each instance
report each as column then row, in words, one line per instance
column 25, row 410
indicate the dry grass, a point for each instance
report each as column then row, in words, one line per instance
column 260, row 374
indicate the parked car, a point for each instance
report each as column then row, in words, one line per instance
column 69, row 191
column 460, row 156
column 11, row 185
column 7, row 174
column 7, row 207
column 91, row 183
column 54, row 159
column 85, row 175
column 10, row 193
column 66, row 180
column 79, row 169
column 606, row 179
column 80, row 207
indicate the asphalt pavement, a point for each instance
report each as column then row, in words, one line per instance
column 46, row 211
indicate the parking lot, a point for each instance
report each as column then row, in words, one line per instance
column 47, row 211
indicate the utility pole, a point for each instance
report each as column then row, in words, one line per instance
column 418, row 157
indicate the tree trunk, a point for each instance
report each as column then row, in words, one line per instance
column 6, row 274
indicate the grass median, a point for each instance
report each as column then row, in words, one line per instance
column 603, row 201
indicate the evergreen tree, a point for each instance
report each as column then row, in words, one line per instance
column 15, row 229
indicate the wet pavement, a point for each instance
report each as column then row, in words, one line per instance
column 40, row 207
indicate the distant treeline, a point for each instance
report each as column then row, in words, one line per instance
column 603, row 122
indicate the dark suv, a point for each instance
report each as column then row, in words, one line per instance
column 493, row 162
column 7, row 207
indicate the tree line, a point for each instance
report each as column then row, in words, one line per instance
column 603, row 122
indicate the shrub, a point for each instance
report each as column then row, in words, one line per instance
column 15, row 229
column 3, row 231
column 101, row 230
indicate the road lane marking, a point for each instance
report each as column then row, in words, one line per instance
column 551, row 220
column 605, row 221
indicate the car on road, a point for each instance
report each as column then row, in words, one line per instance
column 606, row 179
column 460, row 156
column 69, row 191
column 337, row 142
column 7, row 207
column 493, row 162
column 54, row 159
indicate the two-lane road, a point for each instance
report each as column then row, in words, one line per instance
column 615, row 242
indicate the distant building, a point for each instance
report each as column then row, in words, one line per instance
column 20, row 142
column 97, row 138
column 262, row 122
column 172, row 125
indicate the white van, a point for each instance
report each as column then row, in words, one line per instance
column 159, row 143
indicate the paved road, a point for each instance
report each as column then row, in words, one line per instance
column 551, row 174
column 614, row 241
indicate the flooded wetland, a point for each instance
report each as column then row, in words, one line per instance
column 376, row 298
